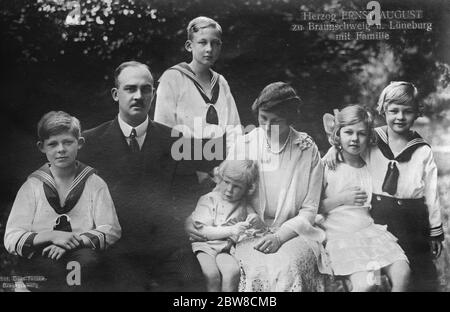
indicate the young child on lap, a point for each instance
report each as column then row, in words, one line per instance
column 222, row 215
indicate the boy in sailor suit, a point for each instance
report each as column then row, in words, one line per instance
column 63, row 212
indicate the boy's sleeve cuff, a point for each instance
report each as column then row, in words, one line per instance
column 437, row 233
column 24, row 246
column 97, row 239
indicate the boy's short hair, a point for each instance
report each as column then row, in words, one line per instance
column 57, row 122
column 401, row 93
column 124, row 65
column 199, row 23
column 279, row 98
column 245, row 171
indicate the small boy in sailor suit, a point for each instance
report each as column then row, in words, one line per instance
column 63, row 212
column 405, row 190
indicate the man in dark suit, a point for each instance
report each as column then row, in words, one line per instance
column 133, row 155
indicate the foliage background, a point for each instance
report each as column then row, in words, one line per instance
column 47, row 64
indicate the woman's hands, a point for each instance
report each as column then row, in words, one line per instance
column 269, row 244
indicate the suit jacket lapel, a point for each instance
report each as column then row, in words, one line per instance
column 117, row 152
column 115, row 139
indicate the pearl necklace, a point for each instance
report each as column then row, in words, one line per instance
column 282, row 148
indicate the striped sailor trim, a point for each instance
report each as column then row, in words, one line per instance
column 436, row 231
column 381, row 134
column 76, row 188
column 24, row 246
column 215, row 88
column 406, row 153
column 97, row 239
column 416, row 138
column 83, row 174
column 45, row 177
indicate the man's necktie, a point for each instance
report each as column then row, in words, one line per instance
column 134, row 145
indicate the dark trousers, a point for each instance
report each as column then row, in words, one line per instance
column 407, row 219
column 134, row 271
column 44, row 274
column 154, row 253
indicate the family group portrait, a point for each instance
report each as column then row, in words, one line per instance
column 225, row 146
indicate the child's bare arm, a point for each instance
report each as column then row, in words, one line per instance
column 350, row 196
column 223, row 232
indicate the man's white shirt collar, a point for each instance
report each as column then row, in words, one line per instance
column 141, row 130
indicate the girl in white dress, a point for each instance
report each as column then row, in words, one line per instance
column 356, row 245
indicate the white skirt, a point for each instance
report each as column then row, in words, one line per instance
column 293, row 268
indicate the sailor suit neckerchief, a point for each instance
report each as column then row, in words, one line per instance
column 391, row 179
column 188, row 72
column 83, row 172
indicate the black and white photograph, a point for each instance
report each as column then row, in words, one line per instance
column 208, row 146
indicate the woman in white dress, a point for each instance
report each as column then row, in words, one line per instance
column 285, row 257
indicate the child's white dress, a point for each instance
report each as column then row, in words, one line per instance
column 354, row 242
